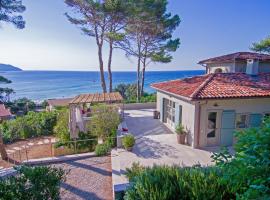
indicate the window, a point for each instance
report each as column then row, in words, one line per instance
column 212, row 119
column 242, row 121
column 212, row 124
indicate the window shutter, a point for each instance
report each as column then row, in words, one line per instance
column 161, row 108
column 255, row 120
column 176, row 114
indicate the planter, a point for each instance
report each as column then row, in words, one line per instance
column 129, row 148
column 181, row 138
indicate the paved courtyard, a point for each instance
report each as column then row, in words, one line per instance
column 155, row 144
column 88, row 178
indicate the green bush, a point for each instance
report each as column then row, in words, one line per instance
column 33, row 183
column 164, row 182
column 128, row 141
column 61, row 129
column 105, row 120
column 247, row 173
column 31, row 125
column 21, row 106
column 102, row 149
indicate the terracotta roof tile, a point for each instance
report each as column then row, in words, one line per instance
column 237, row 56
column 222, row 85
column 59, row 102
column 3, row 111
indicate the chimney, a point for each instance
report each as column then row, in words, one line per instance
column 252, row 67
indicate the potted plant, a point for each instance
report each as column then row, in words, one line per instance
column 128, row 142
column 181, row 134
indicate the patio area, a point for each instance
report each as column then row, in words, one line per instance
column 155, row 144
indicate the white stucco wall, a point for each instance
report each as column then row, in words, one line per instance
column 226, row 67
column 188, row 114
column 260, row 105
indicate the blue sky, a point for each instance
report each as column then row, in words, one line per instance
column 208, row 28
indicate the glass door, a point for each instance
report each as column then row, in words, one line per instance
column 213, row 128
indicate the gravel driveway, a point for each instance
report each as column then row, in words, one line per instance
column 89, row 178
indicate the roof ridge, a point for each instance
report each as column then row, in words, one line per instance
column 202, row 86
column 177, row 79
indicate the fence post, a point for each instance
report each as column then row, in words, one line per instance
column 20, row 155
column 75, row 146
column 51, row 147
column 14, row 159
column 26, row 153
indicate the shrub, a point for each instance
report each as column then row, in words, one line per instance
column 164, row 182
column 61, row 129
column 180, row 129
column 135, row 170
column 104, row 121
column 22, row 105
column 33, row 183
column 102, row 149
column 247, row 173
column 128, row 141
column 31, row 125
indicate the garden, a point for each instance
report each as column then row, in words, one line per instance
column 46, row 134
column 243, row 176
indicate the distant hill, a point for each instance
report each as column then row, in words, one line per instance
column 5, row 68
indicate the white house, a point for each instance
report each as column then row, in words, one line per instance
column 234, row 94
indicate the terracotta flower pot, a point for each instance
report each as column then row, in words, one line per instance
column 181, row 138
column 129, row 148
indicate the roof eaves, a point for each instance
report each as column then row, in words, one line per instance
column 173, row 94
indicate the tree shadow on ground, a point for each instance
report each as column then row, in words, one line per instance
column 80, row 193
column 149, row 148
column 90, row 167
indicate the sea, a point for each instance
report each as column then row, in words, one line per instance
column 42, row 85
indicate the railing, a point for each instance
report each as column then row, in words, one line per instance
column 51, row 149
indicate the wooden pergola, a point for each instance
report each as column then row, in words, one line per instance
column 113, row 97
column 77, row 118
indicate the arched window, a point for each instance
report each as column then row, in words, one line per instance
column 218, row 70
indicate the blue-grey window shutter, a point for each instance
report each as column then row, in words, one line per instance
column 161, row 104
column 176, row 114
column 180, row 114
column 255, row 120
column 227, row 127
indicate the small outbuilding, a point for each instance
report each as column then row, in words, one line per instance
column 5, row 113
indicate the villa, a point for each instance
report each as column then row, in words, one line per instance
column 233, row 94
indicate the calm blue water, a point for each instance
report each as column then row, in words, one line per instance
column 40, row 85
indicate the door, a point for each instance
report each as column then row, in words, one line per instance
column 213, row 127
column 227, row 127
column 171, row 114
column 165, row 110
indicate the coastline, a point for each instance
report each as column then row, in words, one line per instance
column 43, row 85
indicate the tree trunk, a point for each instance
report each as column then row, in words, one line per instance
column 143, row 76
column 99, row 42
column 109, row 66
column 2, row 149
column 101, row 68
column 138, row 78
